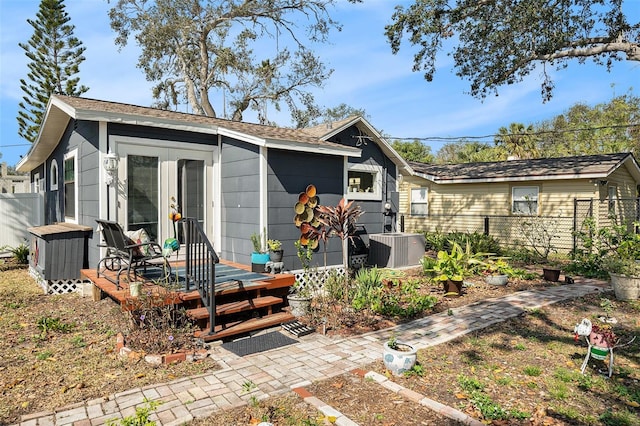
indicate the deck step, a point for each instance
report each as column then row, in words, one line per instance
column 235, row 307
column 240, row 327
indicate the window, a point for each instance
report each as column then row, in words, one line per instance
column 525, row 200
column 365, row 182
column 613, row 198
column 142, row 190
column 53, row 175
column 419, row 204
column 70, row 187
column 36, row 183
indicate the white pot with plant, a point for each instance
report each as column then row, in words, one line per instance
column 496, row 271
column 625, row 276
column 303, row 290
column 398, row 357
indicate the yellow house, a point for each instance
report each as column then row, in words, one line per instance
column 518, row 200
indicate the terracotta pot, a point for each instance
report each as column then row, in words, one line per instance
column 550, row 274
column 452, row 287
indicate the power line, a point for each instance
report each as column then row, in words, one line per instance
column 540, row 132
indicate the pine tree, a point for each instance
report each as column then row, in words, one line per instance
column 55, row 56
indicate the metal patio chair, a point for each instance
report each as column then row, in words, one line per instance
column 125, row 255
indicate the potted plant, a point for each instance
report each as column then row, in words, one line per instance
column 450, row 268
column 624, row 269
column 275, row 250
column 497, row 271
column 551, row 273
column 301, row 293
column 398, row 357
column 300, row 298
column 259, row 257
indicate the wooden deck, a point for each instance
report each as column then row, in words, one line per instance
column 241, row 306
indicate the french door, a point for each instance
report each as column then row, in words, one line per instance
column 153, row 178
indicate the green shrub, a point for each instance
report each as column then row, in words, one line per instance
column 478, row 242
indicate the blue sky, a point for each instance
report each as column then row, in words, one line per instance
column 399, row 102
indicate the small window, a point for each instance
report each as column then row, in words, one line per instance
column 53, row 175
column 35, row 185
column 613, row 198
column 525, row 200
column 364, row 182
column 70, row 187
column 419, row 204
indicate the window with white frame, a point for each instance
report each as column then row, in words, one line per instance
column 53, row 175
column 35, row 188
column 524, row 200
column 365, row 182
column 419, row 203
column 70, row 187
column 613, row 198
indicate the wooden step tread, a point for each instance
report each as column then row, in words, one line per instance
column 235, row 307
column 240, row 327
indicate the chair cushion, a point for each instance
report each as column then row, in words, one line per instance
column 139, row 236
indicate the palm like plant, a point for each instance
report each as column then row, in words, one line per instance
column 341, row 222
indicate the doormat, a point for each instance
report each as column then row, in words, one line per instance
column 297, row 328
column 263, row 342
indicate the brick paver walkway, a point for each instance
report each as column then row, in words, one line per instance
column 315, row 357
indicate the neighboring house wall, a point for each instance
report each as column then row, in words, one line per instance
column 12, row 184
column 464, row 207
column 240, row 210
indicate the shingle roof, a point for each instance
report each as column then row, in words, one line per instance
column 257, row 130
column 558, row 168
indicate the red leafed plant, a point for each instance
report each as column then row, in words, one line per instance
column 603, row 336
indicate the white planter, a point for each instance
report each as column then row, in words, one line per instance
column 300, row 306
column 399, row 361
column 496, row 279
column 134, row 288
column 625, row 287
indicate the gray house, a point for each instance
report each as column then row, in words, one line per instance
column 235, row 178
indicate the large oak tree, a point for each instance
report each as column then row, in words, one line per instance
column 236, row 54
column 498, row 42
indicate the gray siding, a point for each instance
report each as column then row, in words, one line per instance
column 240, row 210
column 161, row 134
column 373, row 220
column 83, row 136
column 289, row 174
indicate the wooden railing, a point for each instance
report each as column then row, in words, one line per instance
column 200, row 266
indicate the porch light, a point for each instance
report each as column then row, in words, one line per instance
column 110, row 165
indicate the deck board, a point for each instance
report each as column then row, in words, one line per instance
column 263, row 292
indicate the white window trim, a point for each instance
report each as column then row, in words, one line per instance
column 424, row 202
column 537, row 188
column 376, row 195
column 53, row 175
column 36, row 189
column 612, row 195
column 73, row 154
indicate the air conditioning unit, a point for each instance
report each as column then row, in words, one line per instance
column 395, row 250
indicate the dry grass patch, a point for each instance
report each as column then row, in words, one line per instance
column 57, row 350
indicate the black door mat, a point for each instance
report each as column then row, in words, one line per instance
column 297, row 328
column 254, row 344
